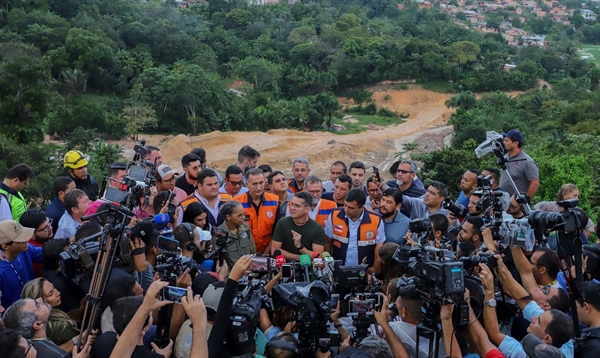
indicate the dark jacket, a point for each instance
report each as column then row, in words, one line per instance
column 89, row 186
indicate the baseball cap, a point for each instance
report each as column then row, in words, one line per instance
column 535, row 348
column 204, row 235
column 212, row 295
column 201, row 282
column 164, row 171
column 515, row 135
column 12, row 231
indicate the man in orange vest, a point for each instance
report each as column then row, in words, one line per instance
column 320, row 208
column 300, row 169
column 207, row 194
column 354, row 234
column 261, row 209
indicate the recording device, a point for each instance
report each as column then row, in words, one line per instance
column 318, row 268
column 458, row 210
column 350, row 278
column 376, row 171
column 286, row 271
column 305, row 264
column 167, row 244
column 335, row 299
column 245, row 313
column 279, row 259
column 171, row 293
column 169, row 264
column 361, row 306
column 260, row 264
column 222, row 242
column 570, row 220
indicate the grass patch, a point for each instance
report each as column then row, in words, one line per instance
column 590, row 53
column 442, row 87
column 363, row 120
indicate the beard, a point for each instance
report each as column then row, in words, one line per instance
column 387, row 215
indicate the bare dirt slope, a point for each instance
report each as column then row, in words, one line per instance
column 280, row 146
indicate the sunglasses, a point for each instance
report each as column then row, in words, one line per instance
column 403, row 171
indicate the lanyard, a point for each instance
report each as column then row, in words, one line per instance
column 11, row 265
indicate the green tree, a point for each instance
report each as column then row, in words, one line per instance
column 138, row 113
column 464, row 53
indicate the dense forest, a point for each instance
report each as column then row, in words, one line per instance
column 79, row 70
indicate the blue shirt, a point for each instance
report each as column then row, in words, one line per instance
column 396, row 229
column 10, row 285
column 462, row 199
column 55, row 211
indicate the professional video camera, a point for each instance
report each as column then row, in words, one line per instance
column 136, row 184
column 245, row 313
column 570, row 220
column 311, row 301
column 222, row 242
column 439, row 281
column 458, row 210
column 169, row 264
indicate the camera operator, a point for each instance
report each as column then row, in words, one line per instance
column 298, row 234
column 468, row 184
column 552, row 326
column 165, row 202
column 216, row 345
column 354, row 234
column 523, row 170
column 236, row 229
column 408, row 304
column 471, row 233
column 588, row 310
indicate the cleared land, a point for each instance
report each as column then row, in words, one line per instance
column 591, row 53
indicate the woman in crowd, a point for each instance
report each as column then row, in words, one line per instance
column 195, row 214
column 236, row 229
column 61, row 328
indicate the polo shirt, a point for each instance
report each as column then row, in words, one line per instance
column 522, row 169
column 396, row 228
column 418, row 209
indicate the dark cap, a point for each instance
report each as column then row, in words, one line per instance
column 515, row 135
column 535, row 348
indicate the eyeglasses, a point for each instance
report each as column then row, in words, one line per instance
column 278, row 180
column 236, row 183
column 536, row 264
column 403, row 171
column 373, row 191
column 46, row 228
column 29, row 345
column 169, row 180
column 546, row 291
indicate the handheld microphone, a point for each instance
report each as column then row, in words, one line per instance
column 159, row 219
column 318, row 267
column 305, row 263
column 279, row 259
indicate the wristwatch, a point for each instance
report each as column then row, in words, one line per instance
column 300, row 248
column 490, row 303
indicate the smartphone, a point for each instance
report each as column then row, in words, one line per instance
column 376, row 171
column 286, row 271
column 335, row 299
column 259, row 264
column 167, row 244
column 361, row 306
column 172, row 293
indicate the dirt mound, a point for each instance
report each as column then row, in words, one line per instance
column 278, row 147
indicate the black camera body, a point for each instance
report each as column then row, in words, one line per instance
column 170, row 266
column 458, row 210
column 569, row 220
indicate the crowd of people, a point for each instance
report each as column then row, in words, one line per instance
column 355, row 217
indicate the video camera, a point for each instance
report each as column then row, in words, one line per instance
column 569, row 220
column 458, row 210
column 169, row 264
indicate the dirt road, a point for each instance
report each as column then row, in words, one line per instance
column 280, row 146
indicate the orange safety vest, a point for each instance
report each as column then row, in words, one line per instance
column 293, row 186
column 262, row 223
column 367, row 235
column 325, row 209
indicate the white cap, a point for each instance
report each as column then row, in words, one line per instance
column 204, row 235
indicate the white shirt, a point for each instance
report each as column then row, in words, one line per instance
column 5, row 213
column 67, row 227
column 213, row 211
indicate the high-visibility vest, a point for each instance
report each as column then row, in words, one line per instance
column 366, row 235
column 325, row 209
column 17, row 204
column 262, row 223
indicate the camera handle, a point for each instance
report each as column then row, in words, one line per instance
column 434, row 340
column 565, row 253
column 163, row 325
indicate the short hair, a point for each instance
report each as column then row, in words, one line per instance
column 411, row 299
column 560, row 328
column 20, row 320
column 151, row 240
column 474, row 171
column 191, row 211
column 228, row 207
column 394, row 193
column 10, row 343
column 339, row 162
column 592, row 252
column 115, row 168
column 160, row 200
column 247, row 152
column 61, row 184
column 274, row 174
column 345, row 178
column 33, row 218
column 117, row 287
column 291, row 344
column 252, row 171
column 413, row 165
column 312, row 179
column 183, row 234
column 358, row 196
column 392, row 290
column 20, row 171
column 477, row 223
column 150, row 149
column 266, row 168
column 200, row 153
column 495, row 173
column 357, row 165
column 375, row 347
column 590, row 292
column 560, row 301
column 123, row 311
column 51, row 251
column 439, row 222
column 188, row 158
column 72, row 199
column 301, row 160
column 305, row 197
column 547, row 206
column 549, row 259
column 564, row 190
column 87, row 229
column 441, row 187
column 232, row 170
column 386, row 252
column 206, row 173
